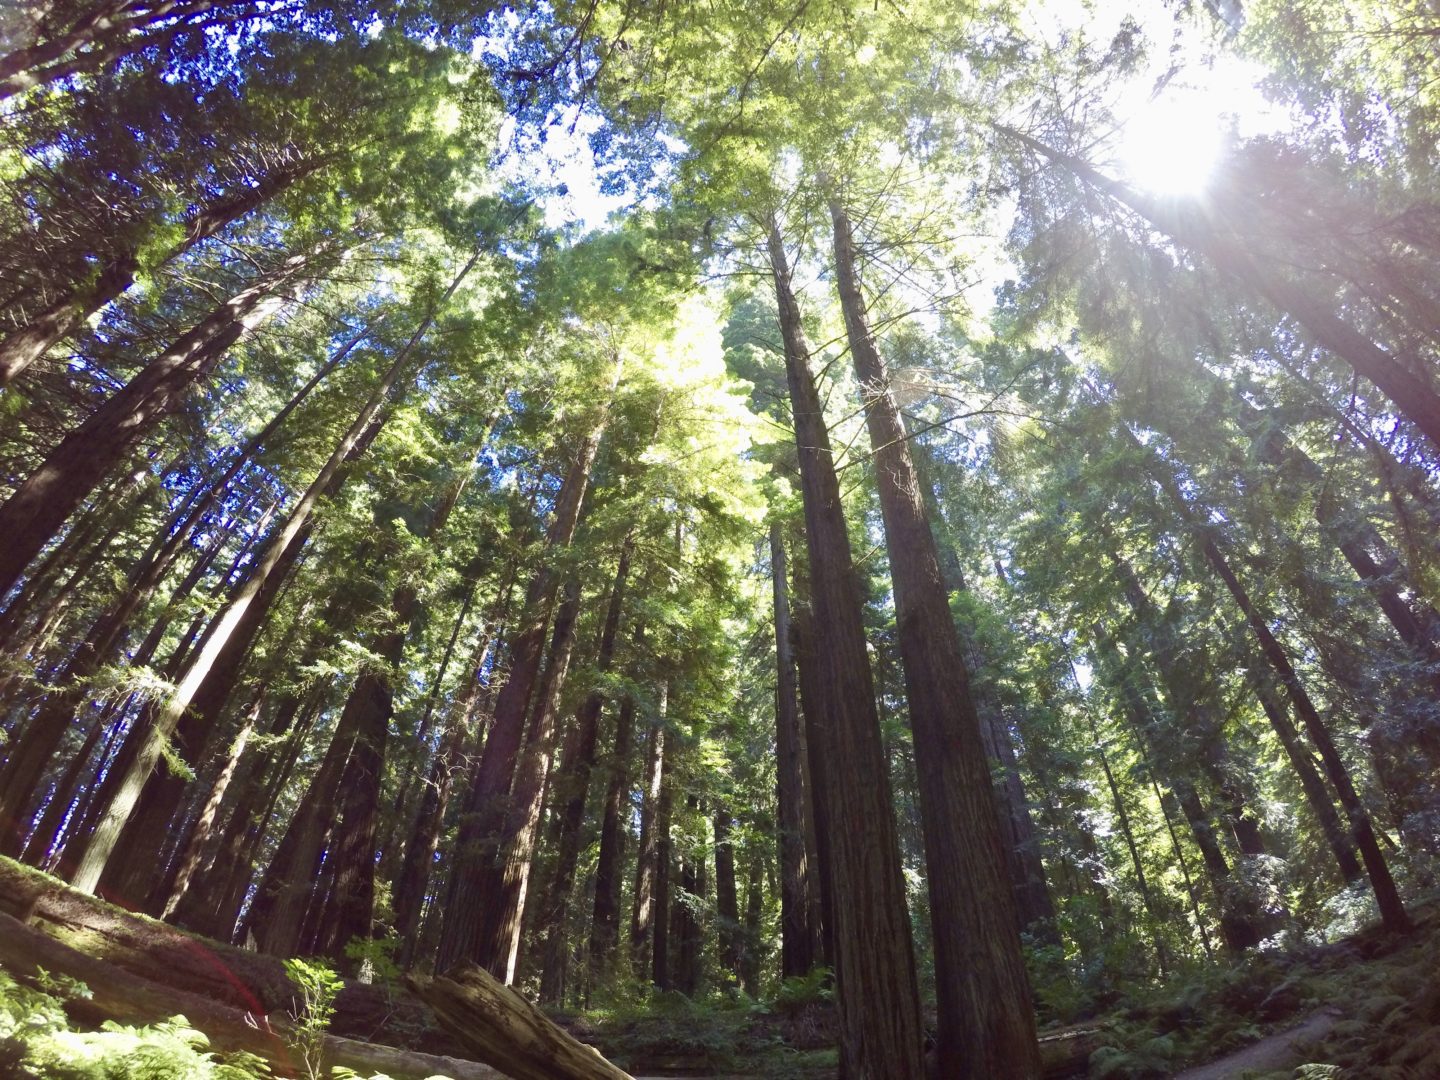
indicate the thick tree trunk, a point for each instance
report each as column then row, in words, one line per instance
column 797, row 918
column 487, row 801
column 501, row 1028
column 39, row 506
column 881, row 1033
column 119, row 995
column 986, row 1022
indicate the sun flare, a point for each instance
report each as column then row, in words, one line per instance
column 1170, row 145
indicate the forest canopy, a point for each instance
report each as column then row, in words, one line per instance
column 917, row 517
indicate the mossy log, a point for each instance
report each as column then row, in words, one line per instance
column 238, row 978
column 116, row 994
column 498, row 1026
column 1066, row 1051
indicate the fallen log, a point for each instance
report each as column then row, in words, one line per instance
column 501, row 1028
column 1066, row 1052
column 239, row 978
column 130, row 999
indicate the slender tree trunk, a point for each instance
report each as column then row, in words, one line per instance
column 1392, row 909
column 1238, row 924
column 487, row 801
column 68, row 310
column 986, row 1022
column 642, row 915
column 605, row 921
column 881, row 1032
column 660, row 936
column 727, row 901
column 797, row 922
column 754, row 909
column 40, row 505
column 233, row 618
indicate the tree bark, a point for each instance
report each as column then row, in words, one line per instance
column 797, row 921
column 39, row 506
column 642, row 915
column 508, row 877
column 501, row 1028
column 605, row 917
column 727, row 901
column 881, row 1033
column 234, row 616
column 487, row 800
column 986, row 1022
column 572, row 787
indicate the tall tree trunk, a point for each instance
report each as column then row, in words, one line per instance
column 498, row 944
column 70, row 308
column 487, row 800
column 1204, row 230
column 234, row 616
column 727, row 901
column 572, row 787
column 660, row 932
column 605, row 920
column 642, row 915
column 1238, row 924
column 881, row 1034
column 754, row 908
column 39, row 506
column 1392, row 909
column 413, row 881
column 986, row 1022
column 797, row 921
column 817, row 836
column 684, row 970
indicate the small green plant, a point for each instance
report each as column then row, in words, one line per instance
column 318, row 986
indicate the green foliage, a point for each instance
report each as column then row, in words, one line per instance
column 318, row 985
column 815, row 987
column 38, row 1043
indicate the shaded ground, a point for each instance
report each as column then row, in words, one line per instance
column 1281, row 1051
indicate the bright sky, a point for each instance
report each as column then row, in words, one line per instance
column 564, row 161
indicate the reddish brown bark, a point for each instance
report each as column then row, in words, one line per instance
column 39, row 506
column 487, row 801
column 986, row 1023
column 881, row 1031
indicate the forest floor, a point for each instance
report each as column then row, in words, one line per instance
column 1365, row 1007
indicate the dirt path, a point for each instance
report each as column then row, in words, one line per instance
column 1271, row 1053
